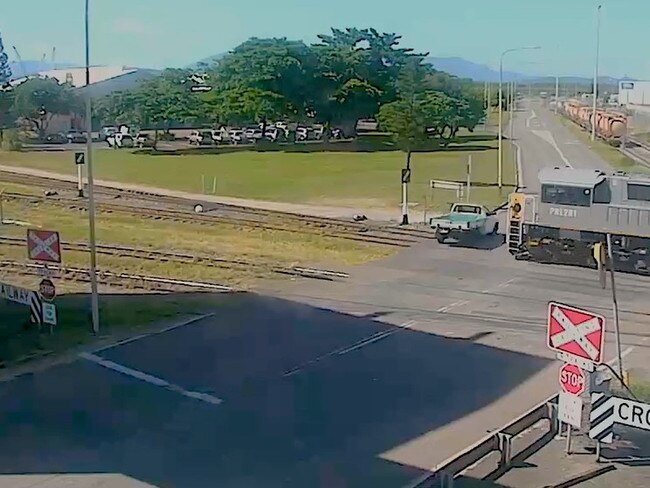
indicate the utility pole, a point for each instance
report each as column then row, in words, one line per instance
column 406, row 178
column 557, row 92
column 595, row 101
column 500, row 134
column 94, row 300
column 617, row 330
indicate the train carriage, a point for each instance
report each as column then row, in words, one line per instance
column 576, row 209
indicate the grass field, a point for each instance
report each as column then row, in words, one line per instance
column 356, row 179
column 129, row 311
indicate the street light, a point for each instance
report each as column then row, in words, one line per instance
column 94, row 300
column 593, row 119
column 500, row 171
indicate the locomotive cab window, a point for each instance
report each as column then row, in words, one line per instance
column 566, row 195
column 636, row 191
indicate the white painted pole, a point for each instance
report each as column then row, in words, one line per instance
column 80, row 181
column 405, row 208
column 469, row 176
column 595, row 104
column 91, row 191
column 500, row 135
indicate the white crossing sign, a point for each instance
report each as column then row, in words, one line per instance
column 575, row 332
column 609, row 410
column 570, row 409
column 49, row 313
column 24, row 297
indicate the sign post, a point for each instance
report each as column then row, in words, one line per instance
column 80, row 160
column 469, row 175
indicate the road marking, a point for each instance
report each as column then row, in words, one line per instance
column 351, row 347
column 623, row 354
column 548, row 137
column 533, row 115
column 152, row 380
column 446, row 308
column 405, row 326
column 500, row 285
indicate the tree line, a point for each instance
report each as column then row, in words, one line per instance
column 346, row 75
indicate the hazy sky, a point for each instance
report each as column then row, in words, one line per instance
column 158, row 33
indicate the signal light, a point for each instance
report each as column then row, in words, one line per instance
column 516, row 205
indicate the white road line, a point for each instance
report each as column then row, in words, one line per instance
column 446, row 308
column 623, row 354
column 152, row 380
column 533, row 115
column 405, row 326
column 351, row 347
column 500, row 285
column 559, row 151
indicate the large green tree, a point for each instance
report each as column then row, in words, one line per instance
column 37, row 100
column 5, row 70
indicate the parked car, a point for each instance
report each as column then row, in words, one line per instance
column 302, row 133
column 237, row 136
column 253, row 133
column 76, row 137
column 120, row 140
column 144, row 140
column 201, row 137
column 107, row 131
column 274, row 134
column 58, row 138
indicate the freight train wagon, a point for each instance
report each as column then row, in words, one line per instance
column 610, row 126
column 575, row 210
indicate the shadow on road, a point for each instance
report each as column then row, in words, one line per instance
column 311, row 398
column 486, row 243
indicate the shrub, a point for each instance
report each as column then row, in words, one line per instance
column 10, row 140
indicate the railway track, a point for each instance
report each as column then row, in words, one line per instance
column 238, row 210
column 187, row 258
column 121, row 280
column 638, row 150
column 188, row 216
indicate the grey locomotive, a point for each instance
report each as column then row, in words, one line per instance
column 575, row 210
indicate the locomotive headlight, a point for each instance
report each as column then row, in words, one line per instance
column 516, row 208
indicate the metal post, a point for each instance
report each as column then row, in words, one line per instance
column 214, row 185
column 405, row 217
column 593, row 122
column 91, row 191
column 512, row 109
column 557, row 92
column 500, row 136
column 203, row 184
column 598, row 451
column 568, row 439
column 80, row 181
column 2, row 210
column 469, row 176
column 617, row 331
column 489, row 103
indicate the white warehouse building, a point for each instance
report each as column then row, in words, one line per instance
column 634, row 92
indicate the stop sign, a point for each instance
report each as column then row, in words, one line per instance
column 47, row 289
column 572, row 379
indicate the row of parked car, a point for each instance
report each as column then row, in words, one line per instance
column 277, row 132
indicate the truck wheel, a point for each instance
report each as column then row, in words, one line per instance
column 441, row 239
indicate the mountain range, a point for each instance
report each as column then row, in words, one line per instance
column 456, row 66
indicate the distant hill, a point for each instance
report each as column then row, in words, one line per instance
column 467, row 69
column 29, row 67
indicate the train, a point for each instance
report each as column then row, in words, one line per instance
column 610, row 126
column 568, row 221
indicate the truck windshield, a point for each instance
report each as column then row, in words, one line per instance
column 467, row 209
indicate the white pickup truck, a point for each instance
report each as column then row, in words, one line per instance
column 465, row 220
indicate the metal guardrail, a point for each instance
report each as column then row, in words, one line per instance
column 443, row 474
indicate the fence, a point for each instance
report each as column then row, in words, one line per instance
column 501, row 441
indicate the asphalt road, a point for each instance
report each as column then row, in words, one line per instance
column 545, row 142
column 365, row 382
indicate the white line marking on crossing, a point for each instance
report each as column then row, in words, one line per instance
column 351, row 347
column 533, row 115
column 152, row 380
column 446, row 308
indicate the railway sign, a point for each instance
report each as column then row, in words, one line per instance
column 406, row 175
column 572, row 379
column 79, row 158
column 576, row 333
column 569, row 409
column 49, row 314
column 44, row 245
column 609, row 410
column 47, row 289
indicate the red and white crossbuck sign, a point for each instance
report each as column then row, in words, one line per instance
column 44, row 245
column 576, row 332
